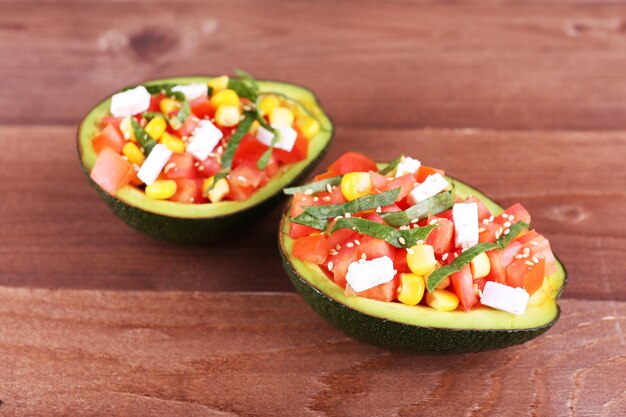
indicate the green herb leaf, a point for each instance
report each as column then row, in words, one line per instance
column 315, row 187
column 466, row 257
column 308, row 220
column 433, row 205
column 265, row 158
column 368, row 202
column 391, row 166
column 395, row 237
column 249, row 78
column 144, row 139
column 243, row 89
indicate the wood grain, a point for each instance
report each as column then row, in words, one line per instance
column 496, row 64
column 59, row 234
column 69, row 352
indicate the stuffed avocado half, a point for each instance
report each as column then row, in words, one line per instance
column 436, row 313
column 193, row 159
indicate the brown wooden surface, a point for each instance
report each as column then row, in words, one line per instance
column 524, row 100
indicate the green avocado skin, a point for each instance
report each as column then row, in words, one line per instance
column 396, row 336
column 194, row 230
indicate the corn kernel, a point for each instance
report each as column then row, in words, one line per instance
column 161, row 189
column 227, row 116
column 308, row 126
column 218, row 83
column 254, row 127
column 156, row 127
column 268, row 103
column 480, row 266
column 133, row 153
column 127, row 129
column 225, row 98
column 442, row 300
column 218, row 192
column 411, row 289
column 281, row 116
column 169, row 106
column 355, row 185
column 421, row 259
column 173, row 143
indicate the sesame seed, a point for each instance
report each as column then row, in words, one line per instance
column 338, row 247
column 511, row 217
column 507, row 231
column 302, row 199
column 363, row 256
column 504, row 215
column 415, row 220
column 379, row 209
column 316, row 198
column 169, row 167
column 201, row 168
column 406, row 227
column 507, row 224
column 308, row 192
column 348, row 215
column 535, row 259
column 126, row 135
column 444, row 256
column 409, row 250
column 329, row 188
column 526, row 250
column 480, row 293
column 518, row 256
column 433, row 221
column 242, row 178
column 481, row 229
column 350, row 244
column 534, row 243
column 124, row 157
column 196, row 164
column 333, row 252
column 357, row 241
column 485, row 222
column 330, row 265
column 456, row 255
column 338, row 217
column 419, row 242
column 529, row 263
column 525, row 255
column 402, row 240
column 490, row 219
column 498, row 233
column 326, row 198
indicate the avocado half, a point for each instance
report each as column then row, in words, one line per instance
column 203, row 223
column 421, row 329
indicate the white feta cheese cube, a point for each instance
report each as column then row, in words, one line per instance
column 407, row 165
column 130, row 102
column 465, row 218
column 363, row 275
column 205, row 138
column 432, row 185
column 192, row 91
column 286, row 141
column 154, row 163
column 505, row 298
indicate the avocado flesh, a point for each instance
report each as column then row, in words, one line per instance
column 180, row 222
column 420, row 328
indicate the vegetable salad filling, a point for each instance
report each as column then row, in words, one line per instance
column 400, row 234
column 200, row 143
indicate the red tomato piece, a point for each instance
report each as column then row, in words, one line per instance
column 378, row 180
column 383, row 292
column 298, row 153
column 181, row 165
column 249, row 150
column 311, row 249
column 324, row 175
column 483, row 211
column 374, row 248
column 341, row 237
column 208, row 167
column 189, row 125
column 111, row 120
column 538, row 246
column 341, row 261
column 202, row 108
column 405, row 183
column 400, row 261
column 245, row 180
column 352, row 162
column 520, row 274
column 109, row 137
column 425, row 171
column 518, row 212
column 111, row 172
column 441, row 237
column 188, row 191
column 301, row 200
column 155, row 103
column 375, row 217
column 392, row 208
column 498, row 269
column 463, row 285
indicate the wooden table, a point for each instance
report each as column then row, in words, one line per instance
column 526, row 101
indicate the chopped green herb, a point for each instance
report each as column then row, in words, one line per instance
column 466, row 257
column 368, row 202
column 395, row 237
column 144, row 139
column 308, row 220
column 244, row 75
column 433, row 205
column 391, row 166
column 315, row 187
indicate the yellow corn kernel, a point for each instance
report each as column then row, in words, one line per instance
column 254, row 127
column 268, row 103
column 169, row 106
column 156, row 127
column 480, row 266
column 227, row 116
column 411, row 289
column 219, row 83
column 281, row 116
column 308, row 126
column 127, row 129
column 225, row 98
column 161, row 189
column 421, row 259
column 355, row 185
column 218, row 192
column 442, row 300
column 133, row 153
column 173, row 143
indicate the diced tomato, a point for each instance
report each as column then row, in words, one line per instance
column 109, row 137
column 249, row 149
column 111, row 172
column 311, row 249
column 519, row 214
column 425, row 171
column 301, row 200
column 489, row 233
column 405, row 183
column 440, row 238
column 155, row 103
column 324, row 175
column 463, row 285
column 483, row 211
column 341, row 261
column 391, row 208
column 383, row 292
column 298, row 153
column 508, row 253
column 189, row 125
column 188, row 191
column 520, row 274
column 400, row 262
column 352, row 162
column 202, row 108
column 375, row 248
column 180, row 165
column 445, row 215
column 538, row 246
column 375, row 217
column 244, row 180
column 498, row 269
column 111, row 120
column 378, row 180
column 208, row 167
column 341, row 237
column 272, row 167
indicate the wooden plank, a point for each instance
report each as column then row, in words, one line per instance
column 57, row 232
column 244, row 354
column 495, row 64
